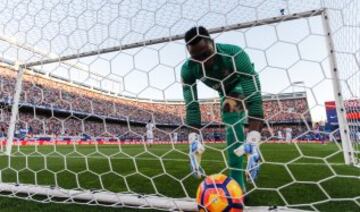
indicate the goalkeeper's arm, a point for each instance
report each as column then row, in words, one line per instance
column 250, row 83
column 192, row 107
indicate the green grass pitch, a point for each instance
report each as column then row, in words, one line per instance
column 310, row 170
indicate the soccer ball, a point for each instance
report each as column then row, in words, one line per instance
column 219, row 193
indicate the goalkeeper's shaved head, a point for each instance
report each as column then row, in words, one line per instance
column 200, row 45
column 196, row 34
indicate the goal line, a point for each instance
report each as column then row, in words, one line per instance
column 115, row 199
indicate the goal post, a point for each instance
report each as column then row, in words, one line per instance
column 349, row 156
column 76, row 103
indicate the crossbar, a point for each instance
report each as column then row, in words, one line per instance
column 260, row 22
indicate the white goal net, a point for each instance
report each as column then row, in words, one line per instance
column 80, row 80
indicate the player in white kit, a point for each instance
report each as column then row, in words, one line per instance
column 280, row 135
column 288, row 134
column 175, row 137
column 149, row 133
column 358, row 137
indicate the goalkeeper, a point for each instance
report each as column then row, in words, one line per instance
column 227, row 69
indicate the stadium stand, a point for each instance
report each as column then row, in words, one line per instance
column 52, row 107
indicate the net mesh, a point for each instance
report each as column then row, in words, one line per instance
column 79, row 130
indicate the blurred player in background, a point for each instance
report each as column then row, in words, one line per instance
column 149, row 133
column 280, row 135
column 175, row 137
column 288, row 134
column 358, row 136
column 316, row 130
column 227, row 69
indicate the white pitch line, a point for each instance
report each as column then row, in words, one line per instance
column 175, row 160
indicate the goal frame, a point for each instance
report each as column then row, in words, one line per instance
column 151, row 201
column 341, row 112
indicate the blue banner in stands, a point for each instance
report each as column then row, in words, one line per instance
column 331, row 113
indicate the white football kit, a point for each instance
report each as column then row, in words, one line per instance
column 149, row 132
column 288, row 134
column 280, row 135
column 175, row 137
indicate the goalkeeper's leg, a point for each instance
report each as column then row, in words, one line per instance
column 234, row 138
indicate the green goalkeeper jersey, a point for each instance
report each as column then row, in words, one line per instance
column 232, row 69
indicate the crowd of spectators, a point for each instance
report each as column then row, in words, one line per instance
column 43, row 125
column 287, row 110
column 84, row 111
